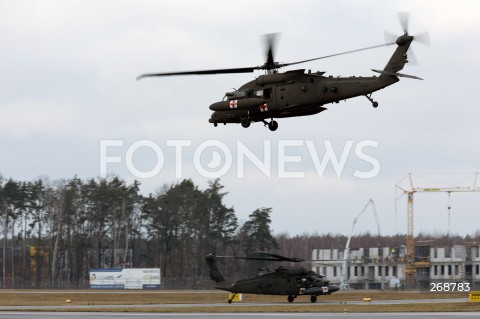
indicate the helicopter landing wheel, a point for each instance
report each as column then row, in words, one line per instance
column 273, row 125
column 291, row 298
column 245, row 122
column 374, row 103
column 215, row 124
column 313, row 299
column 229, row 300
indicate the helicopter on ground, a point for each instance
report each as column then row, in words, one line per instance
column 292, row 281
column 299, row 93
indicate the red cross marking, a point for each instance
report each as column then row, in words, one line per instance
column 263, row 107
column 233, row 104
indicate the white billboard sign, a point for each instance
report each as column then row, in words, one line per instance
column 128, row 278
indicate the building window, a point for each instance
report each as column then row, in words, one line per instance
column 386, row 270
column 379, row 270
column 448, row 252
column 394, row 271
column 355, row 271
column 456, row 270
column 324, row 270
column 477, row 269
column 442, row 270
column 449, row 270
column 334, row 271
column 363, row 270
column 435, row 270
column 435, row 253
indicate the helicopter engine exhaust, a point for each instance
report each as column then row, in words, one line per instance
column 241, row 104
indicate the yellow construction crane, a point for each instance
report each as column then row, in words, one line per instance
column 411, row 189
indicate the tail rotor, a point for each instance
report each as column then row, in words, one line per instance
column 422, row 37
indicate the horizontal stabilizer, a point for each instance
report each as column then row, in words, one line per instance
column 397, row 74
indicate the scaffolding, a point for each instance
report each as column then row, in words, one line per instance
column 435, row 186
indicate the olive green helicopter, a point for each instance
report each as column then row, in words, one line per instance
column 289, row 281
column 299, row 92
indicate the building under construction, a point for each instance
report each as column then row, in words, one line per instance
column 385, row 268
column 416, row 269
column 414, row 264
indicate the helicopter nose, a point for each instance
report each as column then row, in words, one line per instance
column 333, row 288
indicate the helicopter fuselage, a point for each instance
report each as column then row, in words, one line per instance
column 282, row 281
column 297, row 93
column 293, row 281
column 290, row 94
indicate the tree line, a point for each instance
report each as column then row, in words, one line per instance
column 54, row 232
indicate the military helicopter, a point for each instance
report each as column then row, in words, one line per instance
column 291, row 282
column 297, row 92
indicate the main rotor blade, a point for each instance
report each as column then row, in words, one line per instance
column 261, row 255
column 270, row 257
column 270, row 64
column 270, row 40
column 201, row 72
column 336, row 54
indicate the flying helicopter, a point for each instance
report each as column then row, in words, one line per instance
column 300, row 92
column 292, row 281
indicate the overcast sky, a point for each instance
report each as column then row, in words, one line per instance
column 67, row 83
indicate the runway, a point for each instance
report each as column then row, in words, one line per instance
column 121, row 315
column 242, row 304
column 226, row 305
column 160, row 310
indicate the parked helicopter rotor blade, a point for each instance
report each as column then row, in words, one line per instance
column 337, row 54
column 224, row 256
column 202, row 72
column 260, row 255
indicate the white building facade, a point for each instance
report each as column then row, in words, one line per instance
column 384, row 268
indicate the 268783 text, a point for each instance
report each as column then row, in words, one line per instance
column 449, row 287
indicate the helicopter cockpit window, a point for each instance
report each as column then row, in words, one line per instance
column 236, row 95
column 264, row 94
